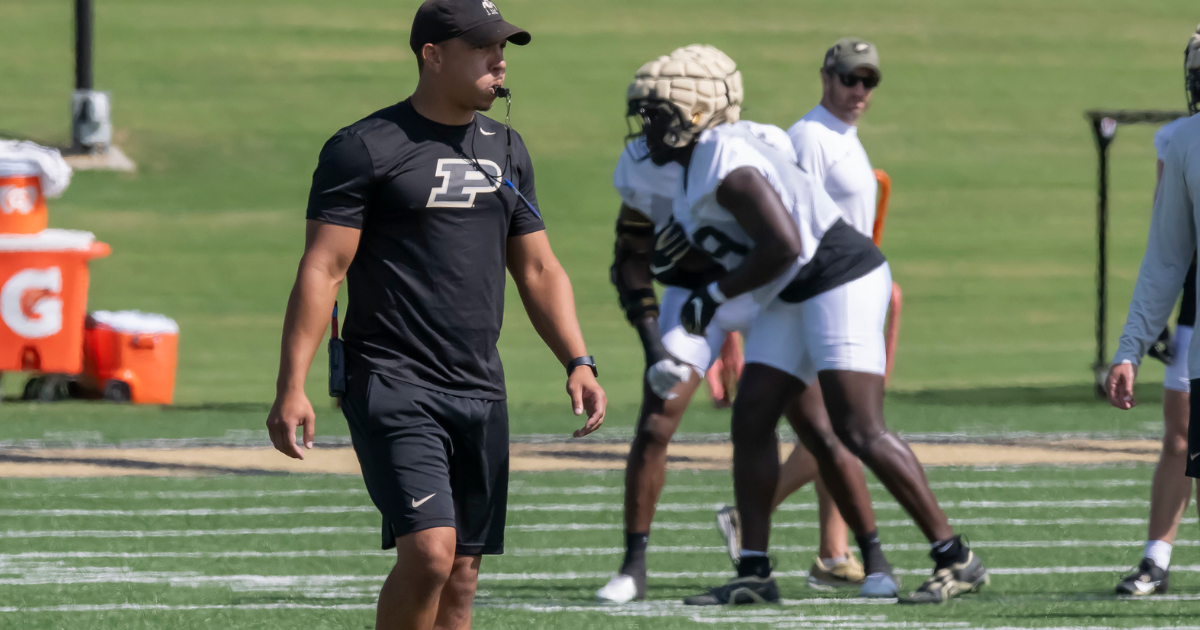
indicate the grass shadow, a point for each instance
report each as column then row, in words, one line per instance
column 1022, row 396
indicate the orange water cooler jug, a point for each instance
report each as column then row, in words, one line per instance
column 43, row 299
column 130, row 356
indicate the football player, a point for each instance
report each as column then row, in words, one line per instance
column 824, row 288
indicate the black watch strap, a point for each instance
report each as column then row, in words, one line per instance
column 578, row 361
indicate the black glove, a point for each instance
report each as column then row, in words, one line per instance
column 700, row 308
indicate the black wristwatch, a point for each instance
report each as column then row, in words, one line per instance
column 578, row 361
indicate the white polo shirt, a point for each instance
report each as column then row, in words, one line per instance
column 830, row 151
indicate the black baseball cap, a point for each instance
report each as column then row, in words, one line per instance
column 478, row 22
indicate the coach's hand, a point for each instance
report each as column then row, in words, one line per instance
column 586, row 396
column 1119, row 385
column 289, row 411
column 700, row 308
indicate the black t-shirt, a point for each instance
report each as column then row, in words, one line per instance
column 426, row 287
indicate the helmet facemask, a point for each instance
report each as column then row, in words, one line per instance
column 662, row 124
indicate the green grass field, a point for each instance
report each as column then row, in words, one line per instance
column 224, row 106
column 301, row 552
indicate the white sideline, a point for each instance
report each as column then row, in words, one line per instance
column 182, row 607
column 258, row 511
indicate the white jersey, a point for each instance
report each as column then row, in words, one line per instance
column 1172, row 243
column 645, row 186
column 1162, row 137
column 726, row 148
column 830, row 151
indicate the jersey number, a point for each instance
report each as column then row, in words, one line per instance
column 461, row 181
column 717, row 243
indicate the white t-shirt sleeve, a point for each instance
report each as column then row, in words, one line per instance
column 810, row 154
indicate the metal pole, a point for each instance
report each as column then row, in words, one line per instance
column 83, row 44
column 1102, row 143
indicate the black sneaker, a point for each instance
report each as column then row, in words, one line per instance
column 1148, row 579
column 965, row 576
column 750, row 589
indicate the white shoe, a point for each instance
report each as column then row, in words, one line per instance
column 730, row 525
column 619, row 590
column 879, row 586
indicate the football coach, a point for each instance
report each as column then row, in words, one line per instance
column 422, row 206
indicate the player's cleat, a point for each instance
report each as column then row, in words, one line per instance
column 1163, row 349
column 844, row 573
column 879, row 586
column 967, row 576
column 730, row 526
column 1148, row 579
column 750, row 589
column 622, row 589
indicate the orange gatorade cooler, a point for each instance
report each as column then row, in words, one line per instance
column 130, row 356
column 43, row 299
column 28, row 175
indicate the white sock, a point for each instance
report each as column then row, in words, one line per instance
column 829, row 563
column 746, row 553
column 1159, row 552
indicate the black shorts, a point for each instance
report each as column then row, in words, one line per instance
column 1187, row 306
column 431, row 460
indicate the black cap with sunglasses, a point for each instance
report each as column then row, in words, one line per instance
column 847, row 56
column 477, row 22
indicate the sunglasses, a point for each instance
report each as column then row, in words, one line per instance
column 851, row 80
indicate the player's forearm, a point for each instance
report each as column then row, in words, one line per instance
column 764, row 263
column 550, row 302
column 308, row 311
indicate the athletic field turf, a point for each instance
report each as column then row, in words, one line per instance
column 301, row 552
column 225, row 104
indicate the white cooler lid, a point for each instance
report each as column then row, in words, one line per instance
column 47, row 241
column 136, row 322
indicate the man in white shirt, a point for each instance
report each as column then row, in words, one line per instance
column 1177, row 154
column 826, row 138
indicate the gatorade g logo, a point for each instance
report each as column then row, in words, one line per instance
column 461, row 181
column 17, row 199
column 29, row 303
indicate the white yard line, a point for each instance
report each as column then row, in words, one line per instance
column 87, row 608
column 259, row 511
column 707, row 525
column 183, row 533
column 810, row 507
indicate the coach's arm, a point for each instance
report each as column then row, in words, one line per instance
column 1169, row 252
column 550, row 302
column 328, row 251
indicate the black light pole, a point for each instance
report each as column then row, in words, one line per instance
column 1104, row 129
column 83, row 44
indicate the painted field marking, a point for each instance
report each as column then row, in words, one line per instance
column 708, row 525
column 88, row 608
column 810, row 507
column 199, row 494
column 259, row 511
column 183, row 533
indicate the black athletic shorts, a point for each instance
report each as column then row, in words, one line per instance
column 431, row 460
column 1187, row 306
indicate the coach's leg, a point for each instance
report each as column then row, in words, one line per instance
column 834, row 533
column 855, row 404
column 454, row 608
column 797, row 471
column 410, row 594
